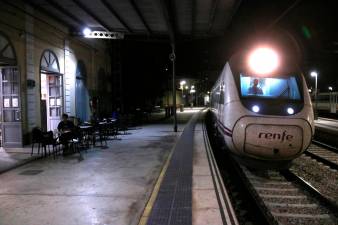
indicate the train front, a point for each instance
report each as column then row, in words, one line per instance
column 276, row 123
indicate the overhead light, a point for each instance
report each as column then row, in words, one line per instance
column 263, row 60
column 86, row 31
column 255, row 108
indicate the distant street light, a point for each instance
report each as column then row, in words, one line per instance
column 182, row 83
column 315, row 75
column 333, row 101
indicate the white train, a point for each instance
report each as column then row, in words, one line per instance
column 263, row 109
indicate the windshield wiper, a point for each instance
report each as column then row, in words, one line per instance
column 286, row 90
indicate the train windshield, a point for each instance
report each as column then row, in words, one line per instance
column 272, row 88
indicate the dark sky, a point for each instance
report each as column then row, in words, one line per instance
column 311, row 24
column 144, row 71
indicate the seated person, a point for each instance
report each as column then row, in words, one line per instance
column 65, row 125
column 66, row 128
column 254, row 89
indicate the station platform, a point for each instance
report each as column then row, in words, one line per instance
column 15, row 157
column 151, row 175
column 326, row 124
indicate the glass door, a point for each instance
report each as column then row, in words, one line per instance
column 11, row 125
column 54, row 101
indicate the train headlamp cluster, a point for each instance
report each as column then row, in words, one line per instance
column 263, row 60
column 256, row 109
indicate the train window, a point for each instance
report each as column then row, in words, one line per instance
column 266, row 87
column 214, row 98
column 221, row 94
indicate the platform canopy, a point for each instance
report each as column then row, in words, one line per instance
column 177, row 19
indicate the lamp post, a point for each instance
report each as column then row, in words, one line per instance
column 182, row 83
column 172, row 57
column 315, row 75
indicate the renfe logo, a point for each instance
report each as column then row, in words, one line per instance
column 276, row 136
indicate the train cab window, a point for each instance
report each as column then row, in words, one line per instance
column 285, row 87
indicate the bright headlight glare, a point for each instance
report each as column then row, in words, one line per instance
column 263, row 60
column 255, row 108
column 290, row 111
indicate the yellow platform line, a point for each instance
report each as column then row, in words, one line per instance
column 151, row 201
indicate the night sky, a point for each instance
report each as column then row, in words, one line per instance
column 312, row 24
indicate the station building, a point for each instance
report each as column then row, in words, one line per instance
column 46, row 71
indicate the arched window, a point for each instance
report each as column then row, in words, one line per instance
column 7, row 53
column 49, row 62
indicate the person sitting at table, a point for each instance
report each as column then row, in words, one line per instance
column 66, row 128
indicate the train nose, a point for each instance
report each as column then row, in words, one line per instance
column 273, row 140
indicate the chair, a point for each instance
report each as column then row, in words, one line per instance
column 112, row 129
column 123, row 124
column 78, row 140
column 36, row 139
column 100, row 132
column 74, row 145
column 47, row 140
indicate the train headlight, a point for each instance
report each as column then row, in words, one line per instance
column 255, row 108
column 263, row 60
column 290, row 111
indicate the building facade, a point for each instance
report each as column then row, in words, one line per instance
column 45, row 72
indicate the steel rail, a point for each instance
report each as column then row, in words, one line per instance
column 332, row 206
column 328, row 147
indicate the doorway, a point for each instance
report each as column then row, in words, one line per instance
column 10, row 96
column 51, row 102
column 11, row 126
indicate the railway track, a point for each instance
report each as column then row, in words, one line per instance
column 272, row 196
column 323, row 153
column 286, row 198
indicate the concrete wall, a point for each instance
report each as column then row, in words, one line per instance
column 30, row 38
